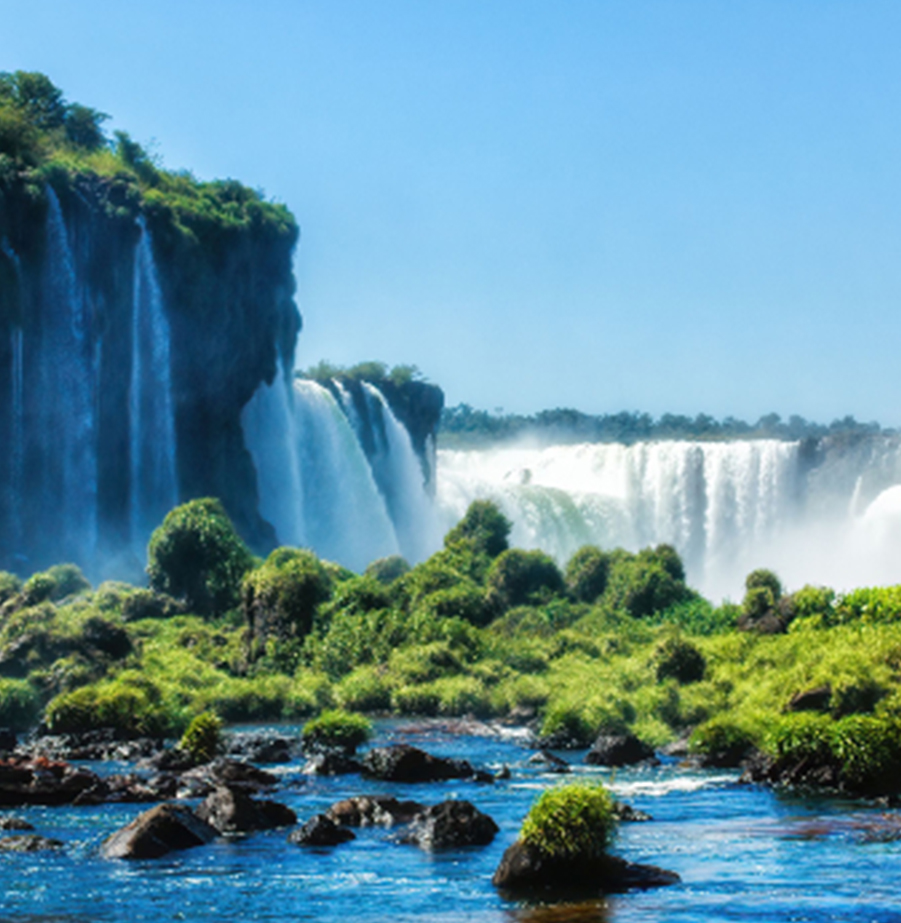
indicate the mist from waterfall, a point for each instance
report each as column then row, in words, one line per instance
column 728, row 507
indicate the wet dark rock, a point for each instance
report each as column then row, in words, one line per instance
column 119, row 788
column 678, row 748
column 403, row 763
column 99, row 744
column 172, row 759
column 561, row 739
column 551, row 762
column 374, row 811
column 230, row 810
column 28, row 842
column 811, row 699
column 11, row 822
column 502, row 773
column 261, row 748
column 41, row 781
column 619, row 750
column 451, row 825
column 524, row 870
column 626, row 814
column 158, row 831
column 201, row 780
column 321, row 830
column 332, row 763
column 806, row 772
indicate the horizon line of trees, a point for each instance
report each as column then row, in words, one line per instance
column 463, row 424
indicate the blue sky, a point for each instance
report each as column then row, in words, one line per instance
column 663, row 206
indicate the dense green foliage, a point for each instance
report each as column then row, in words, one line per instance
column 574, row 821
column 197, row 556
column 618, row 644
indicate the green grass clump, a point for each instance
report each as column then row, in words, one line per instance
column 336, row 729
column 570, row 822
column 203, row 737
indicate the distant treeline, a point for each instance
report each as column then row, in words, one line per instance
column 463, row 426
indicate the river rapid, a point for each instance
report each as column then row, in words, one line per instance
column 743, row 853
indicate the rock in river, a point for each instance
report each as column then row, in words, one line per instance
column 157, row 832
column 451, row 825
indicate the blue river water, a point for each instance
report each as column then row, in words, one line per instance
column 744, row 853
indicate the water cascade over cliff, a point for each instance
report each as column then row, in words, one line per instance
column 346, row 483
column 825, row 512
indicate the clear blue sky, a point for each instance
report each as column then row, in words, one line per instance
column 682, row 205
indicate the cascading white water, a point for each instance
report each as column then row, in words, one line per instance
column 401, row 480
column 67, row 375
column 18, row 434
column 345, row 516
column 153, row 484
column 727, row 507
column 270, row 433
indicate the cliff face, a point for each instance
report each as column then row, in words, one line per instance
column 134, row 327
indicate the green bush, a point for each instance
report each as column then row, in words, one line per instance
column 203, row 737
column 574, row 822
column 280, row 598
column 587, row 572
column 483, row 524
column 565, row 721
column 10, row 586
column 364, row 689
column 68, row 580
column 20, row 704
column 766, row 579
column 129, row 704
column 387, row 570
column 464, row 601
column 336, row 729
column 642, row 586
column 522, row 578
column 197, row 556
column 722, row 738
column 680, row 660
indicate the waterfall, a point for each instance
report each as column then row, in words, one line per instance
column 270, row 433
column 67, row 432
column 153, row 482
column 399, row 475
column 727, row 507
column 17, row 431
column 345, row 516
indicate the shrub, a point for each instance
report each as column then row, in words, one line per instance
column 722, row 739
column 464, row 601
column 642, row 586
column 203, row 737
column 67, row 581
column 336, row 729
column 680, row 660
column 521, row 578
column 766, row 579
column 20, row 704
column 10, row 585
column 146, row 604
column 387, row 570
column 129, row 704
column 280, row 598
column 574, row 821
column 196, row 555
column 570, row 724
column 416, row 700
column 587, row 572
column 365, row 689
column 485, row 525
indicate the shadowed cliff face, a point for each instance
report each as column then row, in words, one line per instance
column 107, row 299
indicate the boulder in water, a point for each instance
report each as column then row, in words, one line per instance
column 525, row 870
column 158, row 831
column 451, row 825
column 374, row 811
column 619, row 750
column 230, row 810
column 321, row 830
column 403, row 763
column 28, row 842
